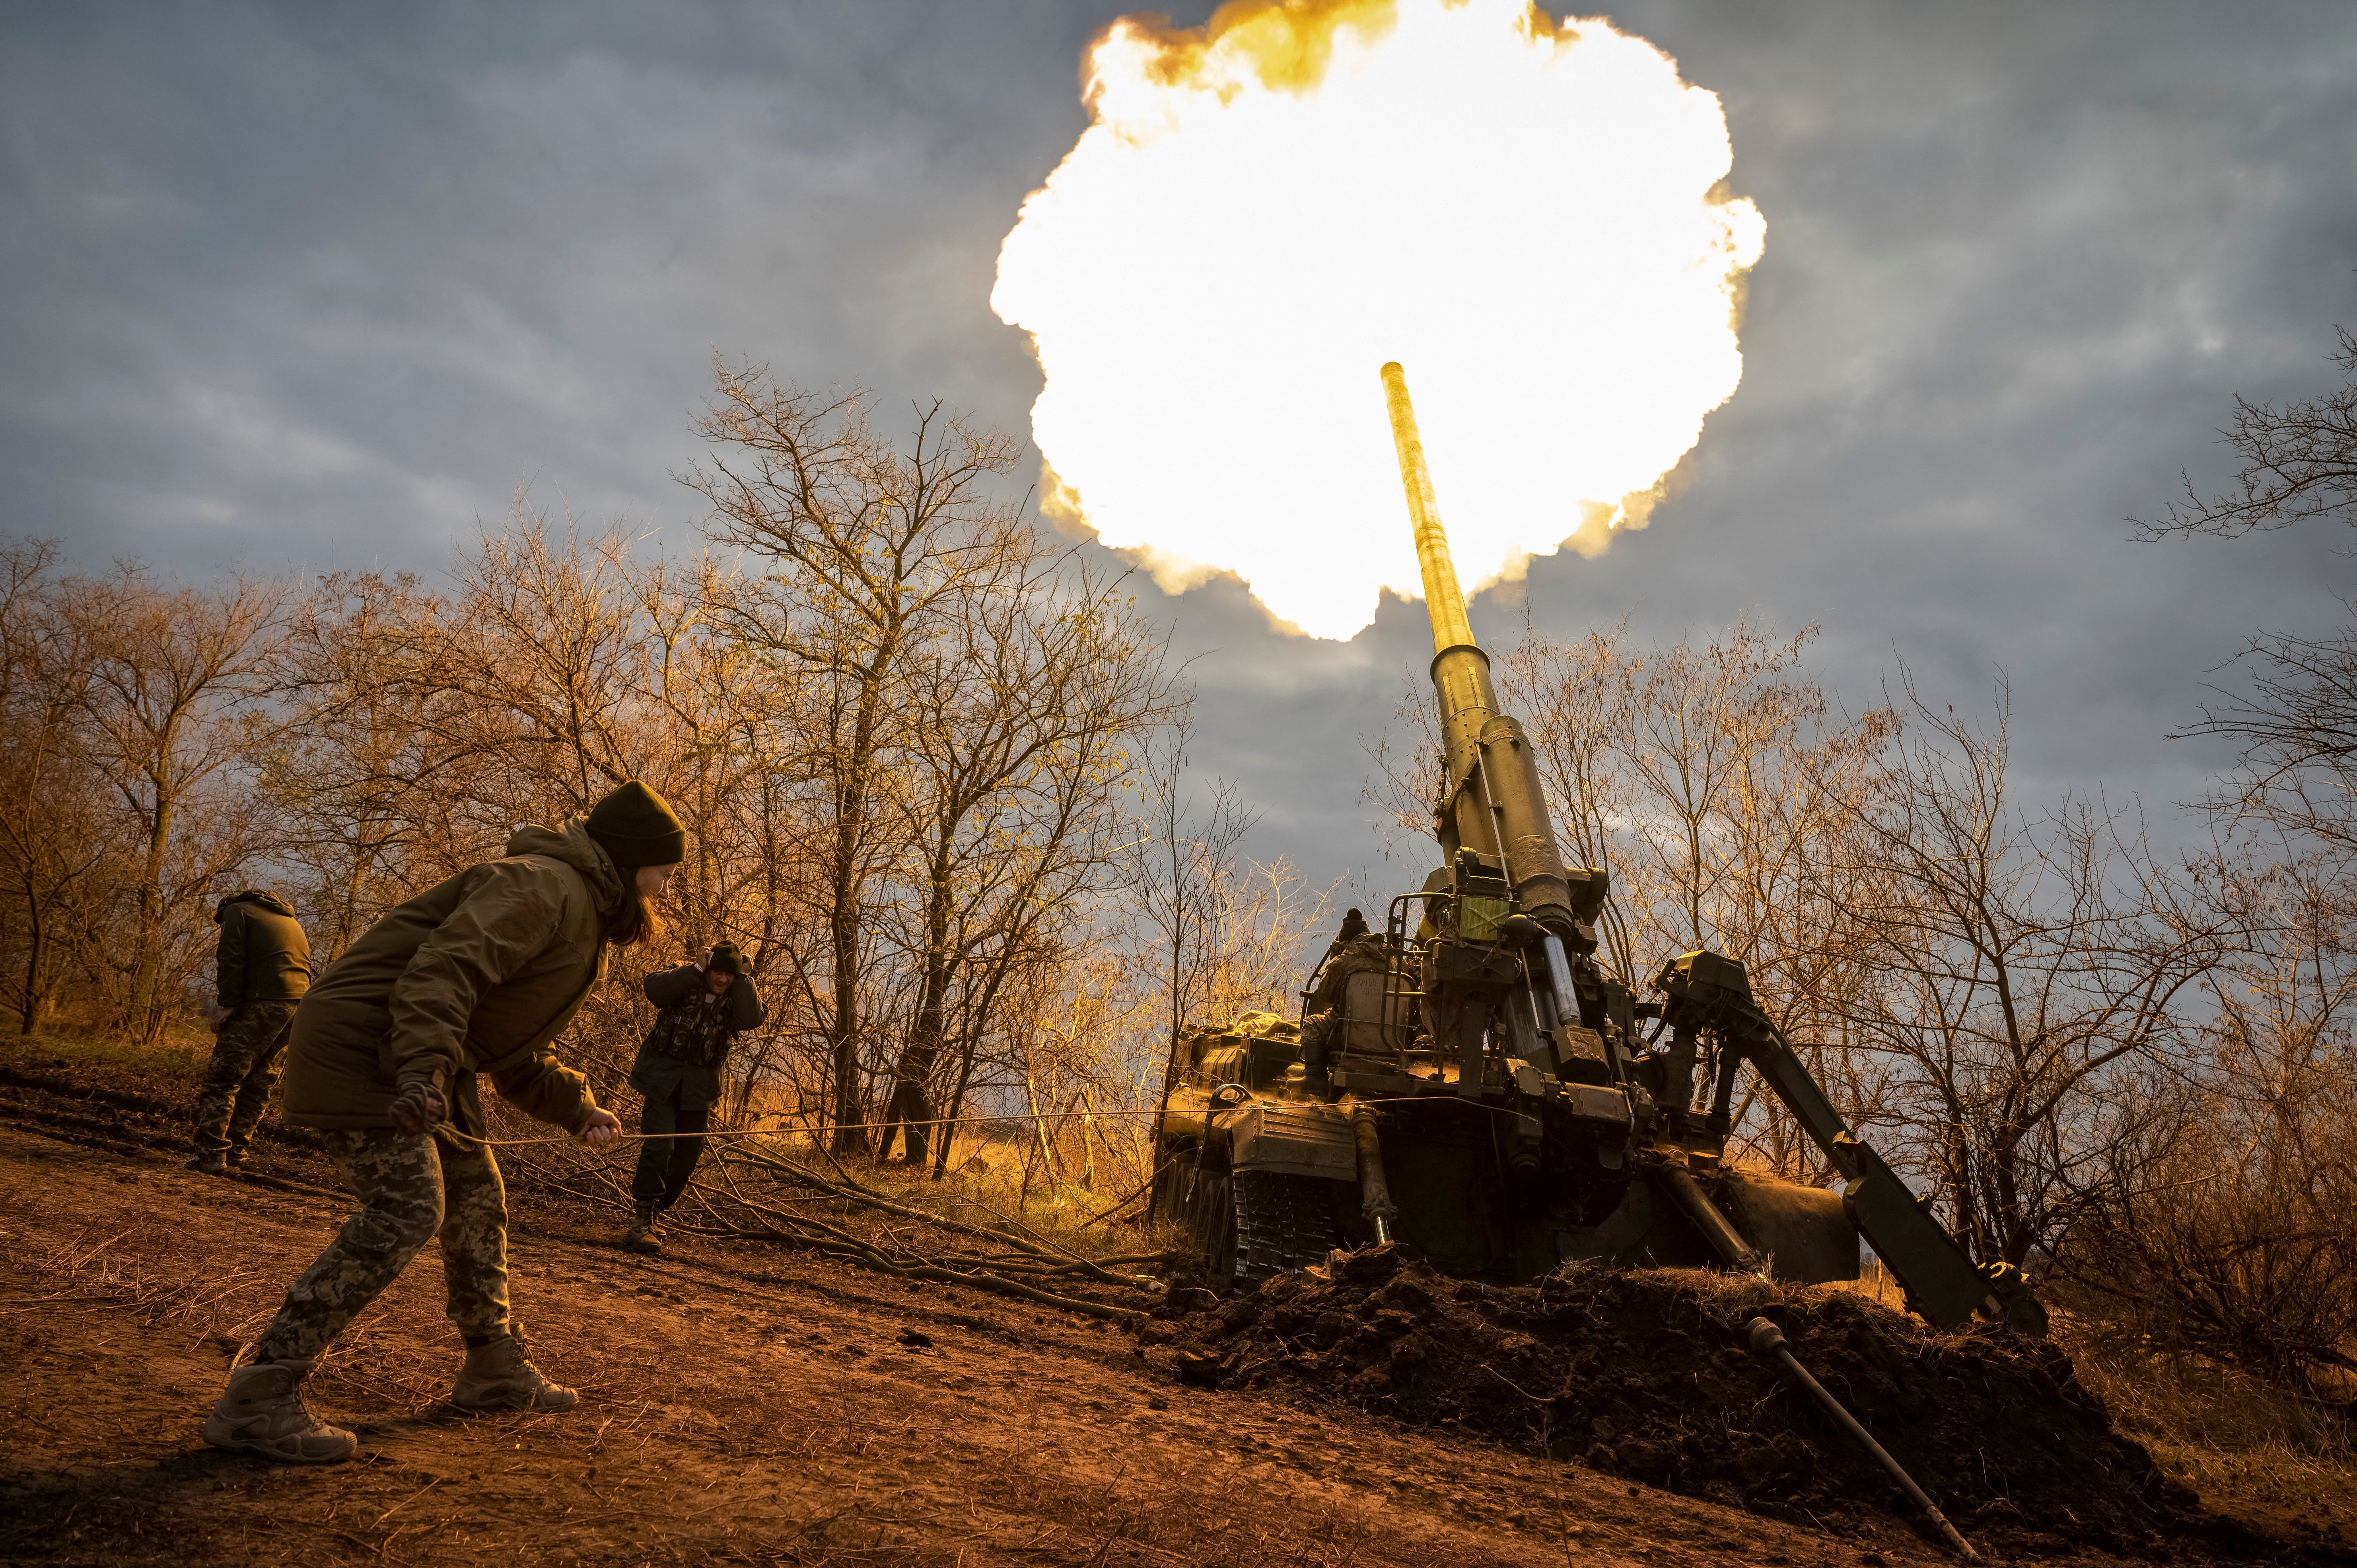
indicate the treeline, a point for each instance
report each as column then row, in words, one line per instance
column 915, row 745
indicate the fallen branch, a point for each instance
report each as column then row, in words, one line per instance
column 850, row 1191
column 860, row 1253
column 730, row 1210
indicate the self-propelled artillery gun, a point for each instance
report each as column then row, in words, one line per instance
column 1469, row 1080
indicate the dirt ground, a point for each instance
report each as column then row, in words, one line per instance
column 739, row 1404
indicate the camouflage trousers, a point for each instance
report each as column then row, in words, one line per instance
column 236, row 1086
column 410, row 1189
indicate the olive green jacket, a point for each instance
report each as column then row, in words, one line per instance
column 263, row 954
column 478, row 975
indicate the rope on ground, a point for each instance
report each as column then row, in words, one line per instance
column 447, row 1129
column 1017, row 1262
column 1009, row 1231
column 796, row 1229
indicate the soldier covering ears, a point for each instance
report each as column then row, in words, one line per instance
column 705, row 1004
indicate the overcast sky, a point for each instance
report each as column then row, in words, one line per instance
column 319, row 285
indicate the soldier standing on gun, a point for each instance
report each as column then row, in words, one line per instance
column 704, row 1005
column 475, row 976
column 262, row 969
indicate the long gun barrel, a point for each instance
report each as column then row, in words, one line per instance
column 1493, row 802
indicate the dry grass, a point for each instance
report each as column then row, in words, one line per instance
column 2218, row 1430
column 1875, row 1283
column 1087, row 1222
column 988, row 1186
column 94, row 1269
column 175, row 1061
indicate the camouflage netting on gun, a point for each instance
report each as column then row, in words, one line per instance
column 1643, row 1375
column 1262, row 1026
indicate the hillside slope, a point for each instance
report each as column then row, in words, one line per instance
column 739, row 1404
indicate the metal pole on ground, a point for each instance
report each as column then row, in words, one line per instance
column 1769, row 1344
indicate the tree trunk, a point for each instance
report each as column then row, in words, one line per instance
column 912, row 1107
column 850, row 1137
column 913, row 1114
column 956, row 1109
column 33, row 956
column 850, row 835
column 147, row 1006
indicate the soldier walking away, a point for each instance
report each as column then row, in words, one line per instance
column 261, row 971
column 705, row 1004
column 474, row 978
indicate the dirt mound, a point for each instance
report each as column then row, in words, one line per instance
column 1644, row 1375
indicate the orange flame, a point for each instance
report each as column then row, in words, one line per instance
column 1532, row 216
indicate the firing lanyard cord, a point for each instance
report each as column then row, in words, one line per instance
column 445, row 1129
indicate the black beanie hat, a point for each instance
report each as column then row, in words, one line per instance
column 637, row 827
column 724, row 959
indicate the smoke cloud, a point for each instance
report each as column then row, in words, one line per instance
column 1532, row 216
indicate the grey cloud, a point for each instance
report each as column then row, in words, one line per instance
column 321, row 284
column 415, row 256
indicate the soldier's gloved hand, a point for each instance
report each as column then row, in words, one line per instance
column 416, row 1108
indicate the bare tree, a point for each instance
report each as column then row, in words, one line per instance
column 1083, row 1097
column 174, row 674
column 2299, row 461
column 1711, row 781
column 2297, row 723
column 53, row 827
column 2216, row 1222
column 2218, row 1228
column 1718, row 786
column 545, row 641
column 901, row 732
column 358, row 763
column 1022, row 717
column 1181, row 864
column 2298, row 727
column 863, row 545
column 2027, row 966
column 710, row 721
column 417, row 728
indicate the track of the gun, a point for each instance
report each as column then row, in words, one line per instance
column 1283, row 1223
